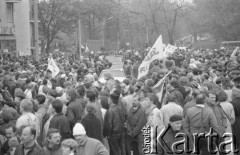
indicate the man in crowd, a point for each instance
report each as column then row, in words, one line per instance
column 59, row 121
column 53, row 142
column 10, row 133
column 28, row 144
column 28, row 117
column 74, row 110
column 114, row 120
column 87, row 145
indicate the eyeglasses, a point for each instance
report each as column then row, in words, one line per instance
column 57, row 137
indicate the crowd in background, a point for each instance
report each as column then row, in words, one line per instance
column 73, row 113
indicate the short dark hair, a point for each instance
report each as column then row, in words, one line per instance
column 90, row 109
column 9, row 125
column 91, row 95
column 80, row 90
column 171, row 97
column 115, row 95
column 28, row 80
column 131, row 89
column 222, row 96
column 44, row 81
column 200, row 98
column 51, row 132
column 57, row 105
column 213, row 92
column 40, row 98
column 72, row 93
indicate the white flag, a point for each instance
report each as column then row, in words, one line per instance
column 155, row 53
column 169, row 50
column 52, row 66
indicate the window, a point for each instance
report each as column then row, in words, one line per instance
column 10, row 12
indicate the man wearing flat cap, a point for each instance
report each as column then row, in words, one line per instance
column 167, row 138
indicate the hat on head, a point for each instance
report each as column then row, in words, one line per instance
column 175, row 118
column 70, row 143
column 79, row 129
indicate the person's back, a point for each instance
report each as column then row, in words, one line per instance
column 117, row 115
column 189, row 105
column 200, row 116
column 127, row 102
column 114, row 124
column 92, row 125
column 74, row 111
column 92, row 147
column 59, row 121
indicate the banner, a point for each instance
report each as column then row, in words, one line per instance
column 160, row 89
column 169, row 50
column 155, row 53
column 52, row 66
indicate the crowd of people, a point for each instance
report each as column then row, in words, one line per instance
column 72, row 113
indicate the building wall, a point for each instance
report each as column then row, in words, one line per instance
column 7, row 28
column 23, row 30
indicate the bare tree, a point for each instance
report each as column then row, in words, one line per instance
column 54, row 17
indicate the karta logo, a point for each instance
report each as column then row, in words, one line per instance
column 183, row 143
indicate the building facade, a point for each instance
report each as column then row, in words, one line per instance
column 16, row 27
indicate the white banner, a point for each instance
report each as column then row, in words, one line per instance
column 52, row 66
column 169, row 50
column 155, row 53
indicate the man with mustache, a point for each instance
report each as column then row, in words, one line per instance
column 53, row 142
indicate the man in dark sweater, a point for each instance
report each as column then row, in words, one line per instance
column 59, row 121
column 91, row 123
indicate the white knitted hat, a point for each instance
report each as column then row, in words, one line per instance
column 79, row 129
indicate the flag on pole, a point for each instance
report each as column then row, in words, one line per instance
column 155, row 53
column 52, row 66
column 160, row 87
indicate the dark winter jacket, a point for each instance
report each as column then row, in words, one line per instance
column 35, row 150
column 92, row 126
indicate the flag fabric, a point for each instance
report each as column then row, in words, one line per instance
column 160, row 88
column 52, row 66
column 155, row 53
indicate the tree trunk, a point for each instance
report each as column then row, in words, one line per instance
column 48, row 47
column 93, row 26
